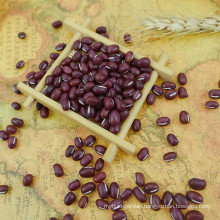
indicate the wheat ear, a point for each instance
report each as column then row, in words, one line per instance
column 168, row 26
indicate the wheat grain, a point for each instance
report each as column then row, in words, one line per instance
column 168, row 26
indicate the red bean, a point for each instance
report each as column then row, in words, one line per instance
column 86, row 159
column 74, row 185
column 129, row 56
column 44, row 112
column 30, row 75
column 87, row 172
column 215, row 94
column 70, row 150
column 101, row 30
column 100, row 149
column 182, row 80
column 119, row 104
column 87, row 40
column 151, row 188
column 176, row 214
column 47, row 92
column 90, row 140
column 53, row 56
column 3, row 189
column 39, row 106
column 169, row 156
column 57, row 24
column 97, row 46
column 170, row 94
column 181, row 200
column 12, row 142
column 114, row 117
column 163, row 121
column 114, row 190
column 27, row 180
column 43, row 65
column 137, row 95
column 139, row 194
column 167, row 198
column 119, row 215
column 112, row 49
column 127, row 38
column 197, row 184
column 172, row 139
column 52, row 218
column 78, row 154
column 20, row 64
column 194, row 197
column 115, row 128
column 88, row 188
column 17, row 122
column 77, row 45
column 194, row 215
column 155, row 202
column 60, row 47
column 22, row 35
column 182, row 92
column 103, row 190
column 69, row 198
column 68, row 217
column 56, row 94
column 184, row 117
column 139, row 179
column 144, row 77
column 212, row 104
column 99, row 177
column 116, row 204
column 150, row 99
column 16, row 105
column 168, row 85
column 16, row 90
column 85, row 48
column 58, row 170
column 157, row 90
column 49, row 80
column 126, row 194
column 143, row 154
column 11, row 129
column 143, row 62
column 102, row 204
column 136, row 125
column 83, row 202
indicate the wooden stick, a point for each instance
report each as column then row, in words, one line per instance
column 112, row 148
column 78, row 119
column 164, row 72
column 63, row 55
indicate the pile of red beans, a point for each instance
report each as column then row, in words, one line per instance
column 143, row 189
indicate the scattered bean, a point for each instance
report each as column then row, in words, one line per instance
column 20, row 64
column 182, row 92
column 27, row 180
column 90, row 140
column 139, row 194
column 139, row 179
column 70, row 150
column 126, row 194
column 157, row 90
column 78, row 154
column 212, row 104
column 44, row 112
column 197, row 184
column 150, row 99
column 78, row 142
column 17, row 122
column 168, row 85
column 87, row 172
column 103, row 190
column 16, row 105
column 58, row 170
column 74, row 185
column 69, row 198
column 151, row 188
column 184, row 117
column 181, row 201
column 155, row 202
column 169, row 156
column 170, row 94
column 215, row 94
column 163, row 121
column 143, row 154
column 172, row 139
column 99, row 164
column 182, row 80
column 88, row 188
column 11, row 129
column 194, row 197
column 12, row 142
column 194, row 215
column 83, row 202
column 60, row 47
column 3, row 189
column 4, row 135
column 101, row 30
column 127, row 38
column 167, row 198
column 102, row 204
column 86, row 159
column 136, row 125
column 68, row 217
column 99, row 177
column 57, row 24
column 116, row 204
column 114, row 190
column 100, row 149
column 21, row 35
column 176, row 214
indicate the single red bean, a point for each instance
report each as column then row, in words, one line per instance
column 69, row 198
column 97, row 46
column 47, row 92
column 182, row 80
column 197, row 183
column 20, row 64
column 70, row 150
column 87, row 40
column 17, row 122
column 99, row 164
column 170, row 94
column 88, row 188
column 39, row 106
column 57, row 24
column 136, row 125
column 139, row 179
column 60, row 47
column 90, row 140
column 119, row 215
column 215, row 94
column 3, row 189
column 172, row 139
column 103, row 190
column 27, row 180
column 150, row 99
column 16, row 90
column 157, row 90
column 144, row 77
column 112, row 49
column 30, row 75
column 169, row 156
column 129, row 56
column 101, row 30
column 137, row 95
column 194, row 215
column 74, row 185
column 212, row 104
column 143, row 62
column 52, row 218
column 116, row 204
column 12, row 142
column 99, row 177
column 15, row 105
column 182, row 92
column 114, row 190
column 181, row 201
column 78, row 142
column 194, row 197
column 53, row 56
column 151, row 188
column 176, row 214
column 127, row 38
column 83, row 202
column 43, row 65
column 22, row 35
column 86, row 159
column 100, row 149
column 102, row 204
column 78, row 154
column 11, row 129
column 58, row 170
column 143, row 154
column 155, row 202
column 85, row 48
column 168, row 85
column 163, row 121
column 44, row 112
column 49, row 80
column 184, row 117
column 139, row 194
column 167, row 198
column 87, row 172
column 68, row 217
column 56, row 94
column 126, row 194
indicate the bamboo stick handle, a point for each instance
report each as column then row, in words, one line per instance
column 63, row 55
column 78, row 119
column 164, row 72
column 112, row 148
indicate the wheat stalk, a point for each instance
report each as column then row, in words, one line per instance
column 168, row 26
